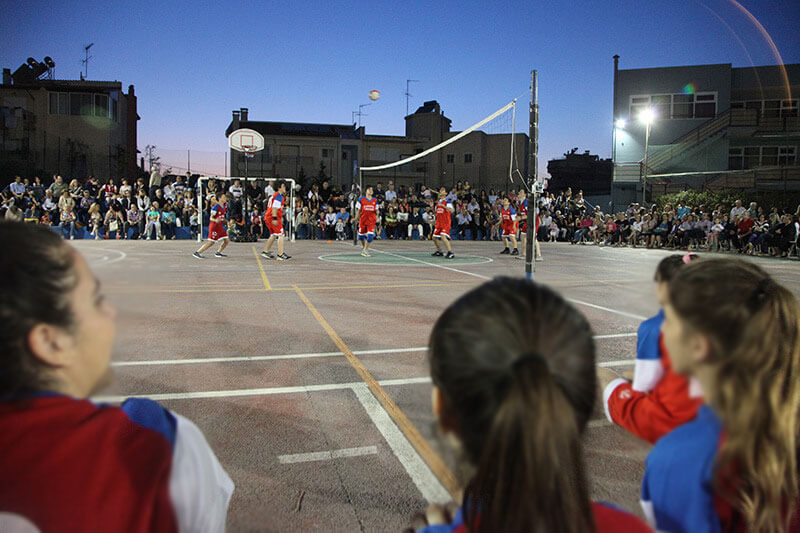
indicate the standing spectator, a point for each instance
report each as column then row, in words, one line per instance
column 429, row 219
column 57, row 187
column 303, row 224
column 155, row 180
column 737, row 211
column 194, row 223
column 343, row 217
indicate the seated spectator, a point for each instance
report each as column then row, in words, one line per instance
column 658, row 400
column 257, row 222
column 67, row 463
column 153, row 222
column 516, row 391
column 430, row 221
column 714, row 235
column 133, row 220
column 415, row 222
column 113, row 222
column 68, row 218
column 168, row 221
column 194, row 223
column 744, row 230
column 735, row 466
column 13, row 213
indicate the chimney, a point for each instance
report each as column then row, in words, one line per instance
column 6, row 76
column 130, row 90
column 243, row 112
column 235, row 123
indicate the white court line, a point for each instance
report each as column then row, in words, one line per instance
column 425, row 480
column 599, row 423
column 481, row 276
column 623, row 362
column 122, row 256
column 246, row 358
column 328, row 455
column 251, row 358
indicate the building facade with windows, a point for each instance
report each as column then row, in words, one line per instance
column 713, row 127
column 304, row 151
column 75, row 128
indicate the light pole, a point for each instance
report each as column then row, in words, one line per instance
column 647, row 116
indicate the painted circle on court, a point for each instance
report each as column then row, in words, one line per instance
column 402, row 259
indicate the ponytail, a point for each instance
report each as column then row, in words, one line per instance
column 533, row 449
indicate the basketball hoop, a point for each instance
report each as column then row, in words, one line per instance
column 248, row 142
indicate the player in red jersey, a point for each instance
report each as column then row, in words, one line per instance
column 216, row 228
column 442, row 230
column 514, row 391
column 368, row 216
column 273, row 218
column 509, row 216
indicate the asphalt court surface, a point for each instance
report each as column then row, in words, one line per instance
column 309, row 377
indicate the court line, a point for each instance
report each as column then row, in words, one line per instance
column 622, row 362
column 261, row 269
column 122, row 256
column 247, row 358
column 327, row 455
column 253, row 358
column 436, row 464
column 421, row 474
column 435, row 265
column 134, row 290
column 607, row 309
column 599, row 423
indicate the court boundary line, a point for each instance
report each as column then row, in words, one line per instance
column 311, row 355
column 325, row 258
column 327, row 455
column 403, row 423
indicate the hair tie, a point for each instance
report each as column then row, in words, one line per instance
column 528, row 358
column 759, row 295
column 688, row 258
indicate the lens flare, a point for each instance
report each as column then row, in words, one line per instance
column 689, row 88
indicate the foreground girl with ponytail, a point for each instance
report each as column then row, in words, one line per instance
column 514, row 383
column 734, row 468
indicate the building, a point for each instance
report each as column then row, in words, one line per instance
column 337, row 151
column 75, row 128
column 714, row 127
column 584, row 172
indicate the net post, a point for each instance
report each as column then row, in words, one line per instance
column 291, row 212
column 533, row 174
column 199, row 209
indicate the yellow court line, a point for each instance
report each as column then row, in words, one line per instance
column 261, row 268
column 431, row 458
column 146, row 290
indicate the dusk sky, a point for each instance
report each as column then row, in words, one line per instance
column 193, row 62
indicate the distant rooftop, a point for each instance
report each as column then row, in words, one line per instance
column 299, row 129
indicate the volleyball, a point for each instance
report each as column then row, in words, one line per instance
column 374, row 94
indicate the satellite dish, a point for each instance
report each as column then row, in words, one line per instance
column 49, row 62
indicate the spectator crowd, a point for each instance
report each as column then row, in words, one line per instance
column 154, row 209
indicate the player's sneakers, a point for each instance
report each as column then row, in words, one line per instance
column 450, row 255
column 514, row 252
column 219, row 254
column 437, row 253
column 539, row 258
column 505, row 251
column 268, row 255
column 197, row 255
column 283, row 257
column 364, row 254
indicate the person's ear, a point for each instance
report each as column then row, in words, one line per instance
column 51, row 345
column 700, row 348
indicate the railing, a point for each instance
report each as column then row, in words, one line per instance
column 776, row 179
column 691, row 139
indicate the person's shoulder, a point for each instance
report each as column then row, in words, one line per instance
column 689, row 448
column 610, row 518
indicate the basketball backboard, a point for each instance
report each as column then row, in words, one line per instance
column 246, row 140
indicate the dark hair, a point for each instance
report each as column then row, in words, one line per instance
column 515, row 364
column 669, row 266
column 753, row 325
column 36, row 277
column 278, row 184
column 219, row 195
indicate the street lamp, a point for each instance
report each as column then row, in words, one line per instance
column 647, row 117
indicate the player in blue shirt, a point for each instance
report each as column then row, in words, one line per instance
column 735, row 329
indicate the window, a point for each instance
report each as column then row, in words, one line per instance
column 752, row 157
column 101, row 105
column 675, row 106
column 788, row 108
column 787, row 156
column 705, row 105
column 326, row 153
column 59, row 103
column 467, row 158
column 451, row 158
column 736, row 159
column 772, row 109
column 769, row 156
column 75, row 104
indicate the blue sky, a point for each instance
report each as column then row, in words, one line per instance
column 193, row 62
